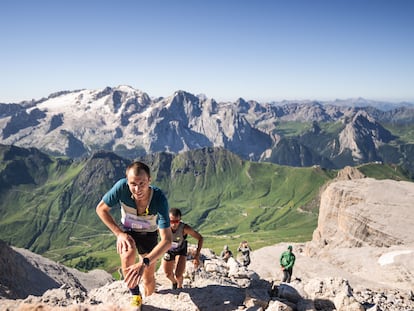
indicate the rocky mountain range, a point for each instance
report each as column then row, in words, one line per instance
column 360, row 258
column 131, row 123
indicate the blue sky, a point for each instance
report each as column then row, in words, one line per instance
column 225, row 49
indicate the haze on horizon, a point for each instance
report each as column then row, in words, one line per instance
column 266, row 50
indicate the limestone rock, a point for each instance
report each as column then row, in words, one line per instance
column 362, row 212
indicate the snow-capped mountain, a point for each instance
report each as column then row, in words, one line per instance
column 122, row 118
column 131, row 123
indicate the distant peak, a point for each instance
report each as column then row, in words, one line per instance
column 125, row 87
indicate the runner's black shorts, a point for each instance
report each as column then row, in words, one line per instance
column 182, row 251
column 144, row 241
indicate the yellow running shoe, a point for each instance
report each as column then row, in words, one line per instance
column 136, row 302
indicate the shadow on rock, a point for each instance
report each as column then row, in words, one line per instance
column 288, row 295
column 324, row 304
column 23, row 279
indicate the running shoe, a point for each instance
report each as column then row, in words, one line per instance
column 136, row 302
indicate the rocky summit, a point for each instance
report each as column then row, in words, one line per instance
column 360, row 258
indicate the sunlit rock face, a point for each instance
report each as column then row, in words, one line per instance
column 366, row 212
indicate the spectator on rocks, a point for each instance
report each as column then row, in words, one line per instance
column 287, row 260
column 245, row 250
column 174, row 260
column 144, row 216
column 226, row 253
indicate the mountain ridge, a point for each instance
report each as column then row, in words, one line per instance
column 131, row 123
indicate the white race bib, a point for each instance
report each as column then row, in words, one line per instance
column 136, row 222
column 144, row 223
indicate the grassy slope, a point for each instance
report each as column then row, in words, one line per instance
column 405, row 132
column 246, row 199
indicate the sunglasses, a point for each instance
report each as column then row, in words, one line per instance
column 174, row 221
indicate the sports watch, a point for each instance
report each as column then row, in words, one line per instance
column 146, row 261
